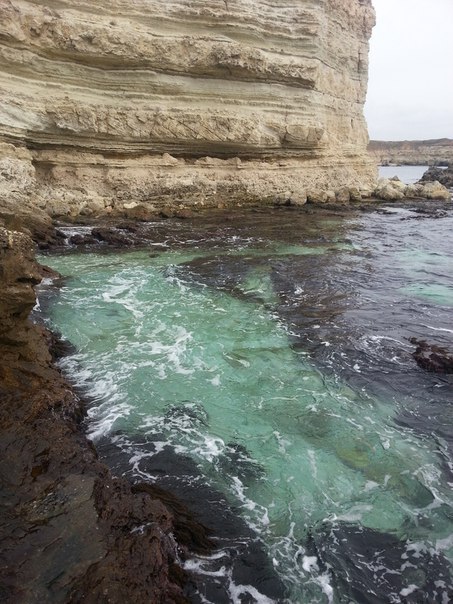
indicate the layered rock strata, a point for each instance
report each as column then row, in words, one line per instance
column 69, row 530
column 204, row 102
column 412, row 153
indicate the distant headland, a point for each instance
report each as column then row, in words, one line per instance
column 434, row 152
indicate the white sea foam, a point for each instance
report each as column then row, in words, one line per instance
column 445, row 544
column 198, row 566
column 237, row 591
column 324, row 582
column 355, row 514
column 439, row 328
column 407, row 591
column 310, row 563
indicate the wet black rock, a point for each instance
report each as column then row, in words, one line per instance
column 69, row 530
column 204, row 518
column 444, row 176
column 111, row 236
column 83, row 240
column 371, row 567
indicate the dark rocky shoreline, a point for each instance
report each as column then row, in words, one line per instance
column 71, row 531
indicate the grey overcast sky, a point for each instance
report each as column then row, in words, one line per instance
column 410, row 91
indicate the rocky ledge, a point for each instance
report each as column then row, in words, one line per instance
column 70, row 531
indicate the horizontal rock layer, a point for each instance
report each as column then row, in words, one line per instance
column 413, row 153
column 201, row 101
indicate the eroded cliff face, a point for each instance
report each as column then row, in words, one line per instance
column 200, row 102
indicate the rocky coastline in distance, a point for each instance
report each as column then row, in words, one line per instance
column 435, row 152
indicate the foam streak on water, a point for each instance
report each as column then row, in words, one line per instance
column 286, row 394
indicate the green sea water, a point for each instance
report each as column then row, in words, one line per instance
column 208, row 370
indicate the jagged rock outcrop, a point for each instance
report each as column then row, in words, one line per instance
column 442, row 175
column 412, row 153
column 200, row 102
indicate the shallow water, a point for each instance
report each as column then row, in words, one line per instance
column 261, row 368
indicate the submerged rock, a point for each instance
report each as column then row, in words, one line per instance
column 432, row 358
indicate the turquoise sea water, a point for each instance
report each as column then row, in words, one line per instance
column 278, row 362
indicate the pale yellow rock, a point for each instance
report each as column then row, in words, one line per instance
column 317, row 196
column 435, row 190
column 397, row 184
column 298, row 198
column 204, row 102
column 355, row 194
column 331, row 196
column 414, row 190
column 388, row 190
column 343, row 195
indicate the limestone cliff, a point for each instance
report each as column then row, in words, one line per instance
column 200, row 102
column 413, row 153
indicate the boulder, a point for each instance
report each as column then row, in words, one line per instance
column 355, row 194
column 414, row 190
column 317, row 196
column 388, row 190
column 331, row 197
column 298, row 199
column 434, row 190
column 283, row 199
column 343, row 195
column 138, row 211
column 397, row 183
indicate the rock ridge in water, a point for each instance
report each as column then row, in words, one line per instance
column 70, row 531
column 200, row 102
